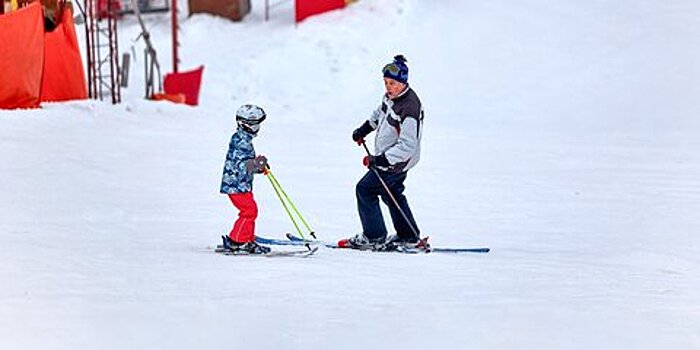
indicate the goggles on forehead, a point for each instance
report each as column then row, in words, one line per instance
column 392, row 68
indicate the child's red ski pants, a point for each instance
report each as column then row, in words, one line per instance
column 244, row 227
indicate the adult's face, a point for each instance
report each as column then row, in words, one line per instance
column 393, row 87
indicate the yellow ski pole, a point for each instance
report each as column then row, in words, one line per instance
column 277, row 184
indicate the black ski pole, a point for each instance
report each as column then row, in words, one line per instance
column 388, row 191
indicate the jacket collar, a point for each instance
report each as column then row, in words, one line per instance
column 245, row 134
column 401, row 95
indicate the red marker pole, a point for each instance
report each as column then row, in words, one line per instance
column 175, row 43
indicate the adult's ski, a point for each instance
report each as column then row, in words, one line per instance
column 297, row 240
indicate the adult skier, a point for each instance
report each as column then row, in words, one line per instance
column 398, row 125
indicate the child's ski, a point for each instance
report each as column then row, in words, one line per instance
column 275, row 253
column 273, row 241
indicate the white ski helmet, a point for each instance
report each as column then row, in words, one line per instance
column 249, row 118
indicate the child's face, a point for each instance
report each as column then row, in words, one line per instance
column 251, row 128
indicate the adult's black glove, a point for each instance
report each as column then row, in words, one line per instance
column 359, row 134
column 374, row 161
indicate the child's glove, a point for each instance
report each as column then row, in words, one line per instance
column 261, row 164
column 258, row 165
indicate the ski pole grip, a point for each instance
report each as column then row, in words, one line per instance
column 373, row 167
column 366, row 148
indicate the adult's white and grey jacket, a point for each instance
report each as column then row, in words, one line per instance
column 398, row 123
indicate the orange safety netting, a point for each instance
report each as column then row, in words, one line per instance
column 63, row 78
column 21, row 57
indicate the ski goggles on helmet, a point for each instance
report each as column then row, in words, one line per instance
column 247, row 121
column 252, row 128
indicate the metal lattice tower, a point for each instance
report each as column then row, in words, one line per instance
column 102, row 49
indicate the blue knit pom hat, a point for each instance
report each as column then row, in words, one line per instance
column 397, row 70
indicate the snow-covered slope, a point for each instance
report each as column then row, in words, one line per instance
column 562, row 135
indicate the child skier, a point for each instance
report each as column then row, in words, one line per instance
column 237, row 180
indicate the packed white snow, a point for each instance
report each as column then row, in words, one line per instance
column 563, row 135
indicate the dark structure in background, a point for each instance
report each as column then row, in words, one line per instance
column 234, row 10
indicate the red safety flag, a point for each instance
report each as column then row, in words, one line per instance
column 306, row 8
column 186, row 83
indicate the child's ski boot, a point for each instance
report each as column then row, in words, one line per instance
column 244, row 247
